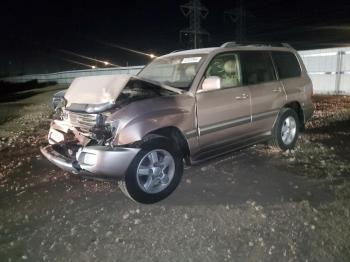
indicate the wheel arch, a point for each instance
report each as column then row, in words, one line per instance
column 295, row 105
column 175, row 135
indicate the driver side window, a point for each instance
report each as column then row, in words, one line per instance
column 225, row 66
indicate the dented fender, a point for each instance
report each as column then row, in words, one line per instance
column 136, row 129
column 150, row 115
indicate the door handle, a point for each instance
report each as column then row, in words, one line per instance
column 242, row 97
column 277, row 90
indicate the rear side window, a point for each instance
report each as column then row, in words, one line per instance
column 257, row 67
column 287, row 64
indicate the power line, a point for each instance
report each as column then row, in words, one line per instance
column 239, row 17
column 195, row 11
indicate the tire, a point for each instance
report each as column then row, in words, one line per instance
column 158, row 162
column 284, row 137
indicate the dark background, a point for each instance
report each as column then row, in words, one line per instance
column 32, row 32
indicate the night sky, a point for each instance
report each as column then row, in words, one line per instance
column 33, row 32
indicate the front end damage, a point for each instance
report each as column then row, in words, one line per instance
column 83, row 137
column 74, row 152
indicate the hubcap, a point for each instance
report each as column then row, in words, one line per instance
column 155, row 171
column 289, row 129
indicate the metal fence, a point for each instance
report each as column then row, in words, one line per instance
column 67, row 77
column 329, row 70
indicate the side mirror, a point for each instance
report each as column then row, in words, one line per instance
column 211, row 83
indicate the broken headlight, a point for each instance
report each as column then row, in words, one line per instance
column 58, row 103
column 104, row 131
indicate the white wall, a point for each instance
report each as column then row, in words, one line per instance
column 329, row 69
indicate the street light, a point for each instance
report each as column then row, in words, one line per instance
column 152, row 56
column 93, row 67
column 106, row 63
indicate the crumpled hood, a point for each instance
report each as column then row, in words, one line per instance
column 95, row 90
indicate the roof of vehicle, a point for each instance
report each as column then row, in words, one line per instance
column 193, row 51
column 235, row 46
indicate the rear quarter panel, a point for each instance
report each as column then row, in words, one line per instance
column 300, row 89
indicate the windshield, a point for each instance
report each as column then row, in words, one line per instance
column 174, row 71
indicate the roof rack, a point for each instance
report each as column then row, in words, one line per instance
column 245, row 43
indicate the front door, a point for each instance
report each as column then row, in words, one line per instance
column 224, row 115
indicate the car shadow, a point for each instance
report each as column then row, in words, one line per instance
column 234, row 179
column 243, row 176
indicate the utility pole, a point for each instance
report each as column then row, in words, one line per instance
column 239, row 17
column 196, row 12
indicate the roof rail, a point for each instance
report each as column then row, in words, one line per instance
column 245, row 43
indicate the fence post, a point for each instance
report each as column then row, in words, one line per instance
column 338, row 72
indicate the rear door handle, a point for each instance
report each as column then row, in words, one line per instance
column 277, row 90
column 242, row 97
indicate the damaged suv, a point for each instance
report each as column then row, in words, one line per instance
column 182, row 108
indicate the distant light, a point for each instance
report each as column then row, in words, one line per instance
column 73, row 61
column 125, row 48
column 85, row 57
column 93, row 67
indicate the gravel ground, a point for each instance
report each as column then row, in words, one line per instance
column 254, row 205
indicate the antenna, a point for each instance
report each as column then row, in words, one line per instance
column 195, row 11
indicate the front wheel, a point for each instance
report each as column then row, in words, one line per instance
column 154, row 173
column 286, row 130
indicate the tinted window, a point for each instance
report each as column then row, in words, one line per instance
column 225, row 66
column 257, row 67
column 287, row 64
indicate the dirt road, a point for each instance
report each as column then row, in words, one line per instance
column 253, row 205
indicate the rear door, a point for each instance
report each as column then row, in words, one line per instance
column 289, row 72
column 266, row 91
column 223, row 115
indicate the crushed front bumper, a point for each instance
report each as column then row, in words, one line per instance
column 94, row 161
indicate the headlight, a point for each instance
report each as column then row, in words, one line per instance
column 104, row 131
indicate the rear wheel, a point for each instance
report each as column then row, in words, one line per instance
column 154, row 173
column 286, row 130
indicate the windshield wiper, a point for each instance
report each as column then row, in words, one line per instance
column 170, row 88
column 167, row 87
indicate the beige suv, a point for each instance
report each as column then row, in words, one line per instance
column 184, row 107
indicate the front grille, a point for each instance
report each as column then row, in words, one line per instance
column 82, row 121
